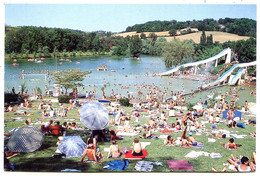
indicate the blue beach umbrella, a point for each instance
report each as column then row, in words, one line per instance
column 94, row 115
column 237, row 114
column 25, row 140
column 72, row 146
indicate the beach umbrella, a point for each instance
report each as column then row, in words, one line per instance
column 237, row 114
column 72, row 146
column 27, row 139
column 134, row 101
column 94, row 115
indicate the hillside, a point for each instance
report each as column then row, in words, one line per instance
column 220, row 37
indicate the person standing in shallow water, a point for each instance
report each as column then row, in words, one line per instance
column 13, row 90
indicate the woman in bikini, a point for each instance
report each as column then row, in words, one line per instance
column 114, row 150
column 92, row 154
column 137, row 148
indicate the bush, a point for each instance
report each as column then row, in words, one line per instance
column 235, row 71
column 9, row 97
column 251, row 70
column 216, row 70
column 228, row 67
column 64, row 98
column 124, row 102
column 190, row 105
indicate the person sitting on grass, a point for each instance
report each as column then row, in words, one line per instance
column 72, row 126
column 92, row 155
column 169, row 140
column 57, row 129
column 230, row 144
column 184, row 140
column 244, row 166
column 148, row 135
column 46, row 128
column 114, row 150
column 192, row 140
column 151, row 123
column 178, row 126
column 137, row 148
column 114, row 136
column 45, row 114
column 238, row 161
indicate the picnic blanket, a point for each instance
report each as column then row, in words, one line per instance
column 117, row 165
column 70, row 170
column 215, row 155
column 146, row 166
column 199, row 145
column 196, row 154
column 162, row 136
column 166, row 131
column 238, row 136
column 144, row 144
column 211, row 140
column 129, row 155
column 180, row 165
column 126, row 134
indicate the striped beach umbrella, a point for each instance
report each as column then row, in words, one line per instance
column 25, row 140
column 72, row 146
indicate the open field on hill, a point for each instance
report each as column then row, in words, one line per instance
column 220, row 37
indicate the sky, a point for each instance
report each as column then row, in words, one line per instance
column 117, row 17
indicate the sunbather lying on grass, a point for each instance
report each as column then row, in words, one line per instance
column 230, row 144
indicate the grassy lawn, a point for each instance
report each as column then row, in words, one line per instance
column 41, row 161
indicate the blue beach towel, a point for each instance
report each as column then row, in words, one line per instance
column 117, row 165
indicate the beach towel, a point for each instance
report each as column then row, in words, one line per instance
column 196, row 154
column 180, row 165
column 144, row 144
column 126, row 134
column 199, row 145
column 129, row 155
column 211, row 140
column 106, row 149
column 117, row 165
column 70, row 170
column 162, row 136
column 144, row 166
column 238, row 136
column 166, row 131
column 179, row 115
column 215, row 155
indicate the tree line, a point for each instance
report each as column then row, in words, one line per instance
column 45, row 42
column 239, row 26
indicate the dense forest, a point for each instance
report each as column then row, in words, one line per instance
column 240, row 26
column 34, row 42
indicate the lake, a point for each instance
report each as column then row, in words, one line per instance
column 127, row 73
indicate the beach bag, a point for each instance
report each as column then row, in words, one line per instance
column 124, row 150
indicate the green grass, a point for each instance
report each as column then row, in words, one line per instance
column 41, row 161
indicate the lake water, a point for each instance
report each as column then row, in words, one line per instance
column 128, row 72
